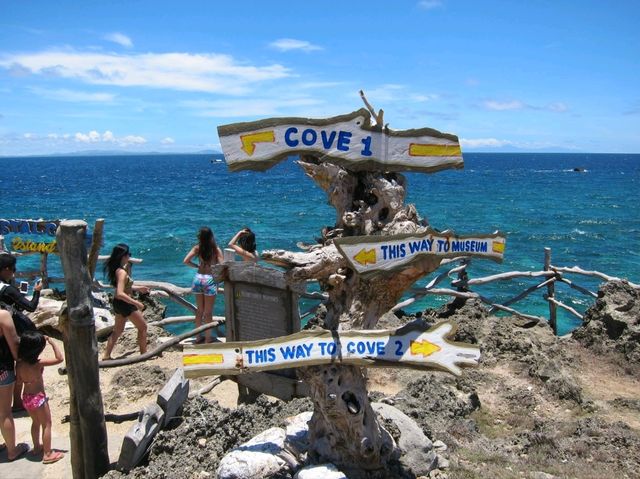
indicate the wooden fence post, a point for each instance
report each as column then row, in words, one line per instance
column 550, row 292
column 89, row 454
column 44, row 271
column 96, row 242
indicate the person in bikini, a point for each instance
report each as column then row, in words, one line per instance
column 244, row 244
column 124, row 305
column 29, row 369
column 204, row 286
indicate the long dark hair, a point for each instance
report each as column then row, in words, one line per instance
column 207, row 247
column 32, row 343
column 247, row 241
column 114, row 261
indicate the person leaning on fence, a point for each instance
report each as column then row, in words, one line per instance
column 29, row 369
column 8, row 354
column 244, row 244
column 117, row 268
column 18, row 302
column 204, row 287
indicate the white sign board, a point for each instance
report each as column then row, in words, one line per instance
column 409, row 346
column 375, row 254
column 347, row 140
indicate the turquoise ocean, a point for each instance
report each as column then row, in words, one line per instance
column 156, row 203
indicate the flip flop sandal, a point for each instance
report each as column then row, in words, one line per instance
column 22, row 450
column 54, row 457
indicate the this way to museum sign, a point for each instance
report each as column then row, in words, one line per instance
column 410, row 346
column 348, row 140
column 375, row 254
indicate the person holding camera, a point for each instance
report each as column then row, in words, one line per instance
column 117, row 268
column 17, row 301
column 244, row 244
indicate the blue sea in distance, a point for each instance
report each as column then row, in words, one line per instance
column 156, row 203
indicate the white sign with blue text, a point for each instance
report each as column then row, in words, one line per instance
column 375, row 254
column 410, row 346
column 348, row 140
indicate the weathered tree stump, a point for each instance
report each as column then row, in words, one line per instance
column 89, row 454
column 343, row 429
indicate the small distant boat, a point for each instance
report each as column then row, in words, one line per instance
column 579, row 170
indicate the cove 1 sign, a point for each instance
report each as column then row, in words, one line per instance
column 348, row 140
column 409, row 346
column 375, row 254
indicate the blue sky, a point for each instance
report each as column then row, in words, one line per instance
column 559, row 75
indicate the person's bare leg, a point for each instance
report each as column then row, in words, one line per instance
column 7, row 427
column 138, row 321
column 118, row 327
column 199, row 312
column 36, row 427
column 207, row 317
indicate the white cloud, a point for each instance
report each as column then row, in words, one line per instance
column 132, row 140
column 429, row 4
column 74, row 96
column 108, row 137
column 213, row 73
column 168, row 141
column 120, row 39
column 558, row 107
column 287, row 44
column 484, row 142
column 252, row 107
column 504, row 105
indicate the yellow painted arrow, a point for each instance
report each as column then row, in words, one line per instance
column 365, row 257
column 249, row 141
column 418, row 149
column 424, row 347
column 202, row 359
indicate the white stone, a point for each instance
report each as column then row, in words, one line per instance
column 256, row 459
column 297, row 439
column 321, row 471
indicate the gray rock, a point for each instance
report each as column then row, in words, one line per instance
column 417, row 452
column 259, row 458
column 297, row 433
column 321, row 471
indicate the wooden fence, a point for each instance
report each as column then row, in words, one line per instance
column 549, row 276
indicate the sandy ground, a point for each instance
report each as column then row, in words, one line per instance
column 114, row 402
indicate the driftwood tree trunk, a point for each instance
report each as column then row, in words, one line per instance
column 89, row 454
column 344, row 429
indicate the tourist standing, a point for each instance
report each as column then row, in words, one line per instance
column 30, row 369
column 244, row 244
column 8, row 353
column 204, row 286
column 13, row 297
column 117, row 268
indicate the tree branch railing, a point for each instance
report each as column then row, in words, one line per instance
column 551, row 275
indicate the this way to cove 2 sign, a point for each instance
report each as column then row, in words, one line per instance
column 347, row 140
column 375, row 254
column 409, row 346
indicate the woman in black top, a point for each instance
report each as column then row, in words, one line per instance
column 12, row 296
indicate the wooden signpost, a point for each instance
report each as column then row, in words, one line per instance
column 347, row 140
column 409, row 346
column 375, row 254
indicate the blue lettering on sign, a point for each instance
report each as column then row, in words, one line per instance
column 368, row 348
column 287, row 137
column 296, row 352
column 393, row 251
column 327, row 141
column 27, row 227
column 327, row 348
column 469, row 245
column 344, row 138
column 309, row 137
column 420, row 246
column 366, row 151
column 260, row 356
